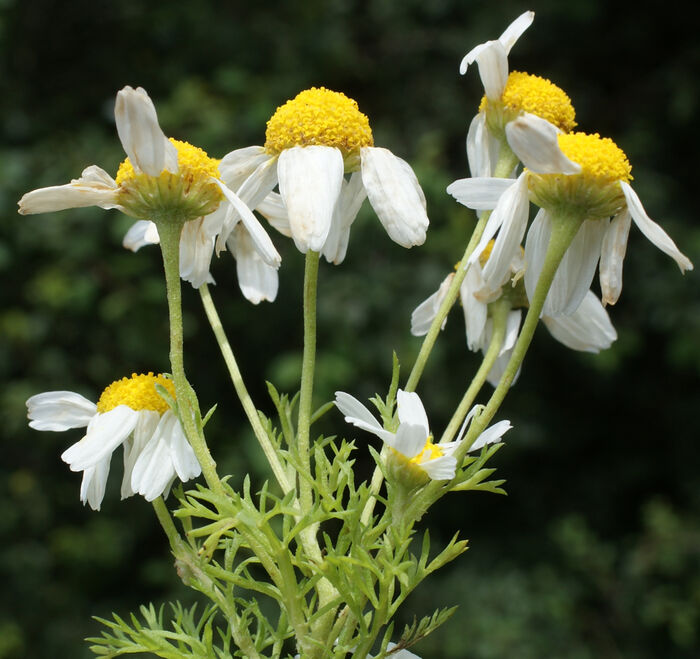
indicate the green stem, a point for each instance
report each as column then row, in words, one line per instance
column 166, row 521
column 169, row 233
column 242, row 391
column 499, row 311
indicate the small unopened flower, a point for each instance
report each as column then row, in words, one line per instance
column 412, row 443
column 508, row 95
column 312, row 142
column 576, row 175
column 130, row 413
column 161, row 180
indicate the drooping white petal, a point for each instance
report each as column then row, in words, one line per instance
column 475, row 310
column 479, row 193
column 410, row 440
column 442, row 468
column 348, row 205
column 143, row 431
column 482, row 148
column 534, row 141
column 491, row 435
column 588, row 329
column 612, row 255
column 423, row 315
column 515, row 30
column 94, row 483
column 141, row 233
column 272, row 208
column 411, row 410
column 141, row 136
column 652, row 230
column 536, row 248
column 259, row 236
column 257, row 280
column 395, row 194
column 196, row 250
column 236, row 166
column 358, row 415
column 105, row 432
column 512, row 330
column 310, row 179
column 181, row 454
column 76, row 194
column 575, row 272
column 59, row 411
column 153, row 470
column 492, row 59
column 514, row 207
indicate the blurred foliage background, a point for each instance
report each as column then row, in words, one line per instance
column 596, row 550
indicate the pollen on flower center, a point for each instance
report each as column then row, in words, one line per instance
column 433, row 451
column 525, row 92
column 318, row 116
column 600, row 158
column 137, row 392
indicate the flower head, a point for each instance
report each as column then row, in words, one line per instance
column 313, row 142
column 412, row 443
column 161, row 180
column 132, row 413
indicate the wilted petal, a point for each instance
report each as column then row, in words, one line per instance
column 196, row 249
column 77, row 194
column 653, row 231
column 257, row 280
column 492, row 59
column 475, row 310
column 612, row 255
column 396, row 196
column 515, row 30
column 59, row 411
column 588, row 329
column 94, row 483
column 310, row 180
column 141, row 233
column 479, row 193
column 272, row 208
column 236, row 166
column 141, row 136
column 348, row 205
column 423, row 315
column 534, row 141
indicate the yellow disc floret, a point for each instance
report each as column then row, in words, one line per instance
column 319, row 116
column 433, row 451
column 186, row 194
column 137, row 392
column 596, row 190
column 525, row 92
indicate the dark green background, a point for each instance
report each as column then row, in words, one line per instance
column 595, row 552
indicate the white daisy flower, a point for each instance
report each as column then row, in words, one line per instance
column 160, row 178
column 312, row 142
column 508, row 96
column 412, row 441
column 129, row 413
column 585, row 175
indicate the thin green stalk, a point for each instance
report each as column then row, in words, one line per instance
column 166, row 521
column 169, row 233
column 499, row 314
column 242, row 391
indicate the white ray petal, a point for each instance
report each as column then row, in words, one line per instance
column 534, row 141
column 515, row 30
column 257, row 280
column 59, row 411
column 272, row 208
column 181, row 454
column 491, row 435
column 236, row 166
column 411, row 410
column 94, row 483
column 143, row 431
column 105, row 432
column 410, row 440
column 423, row 315
column 479, row 193
column 148, row 148
column 310, row 179
column 492, row 59
column 588, row 329
column 612, row 255
column 652, row 230
column 358, row 415
column 72, row 195
column 443, row 468
column 395, row 195
column 140, row 234
column 351, row 197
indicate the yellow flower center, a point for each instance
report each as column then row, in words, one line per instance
column 318, row 116
column 434, row 451
column 188, row 193
column 600, row 158
column 595, row 192
column 137, row 392
column 484, row 256
column 525, row 92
